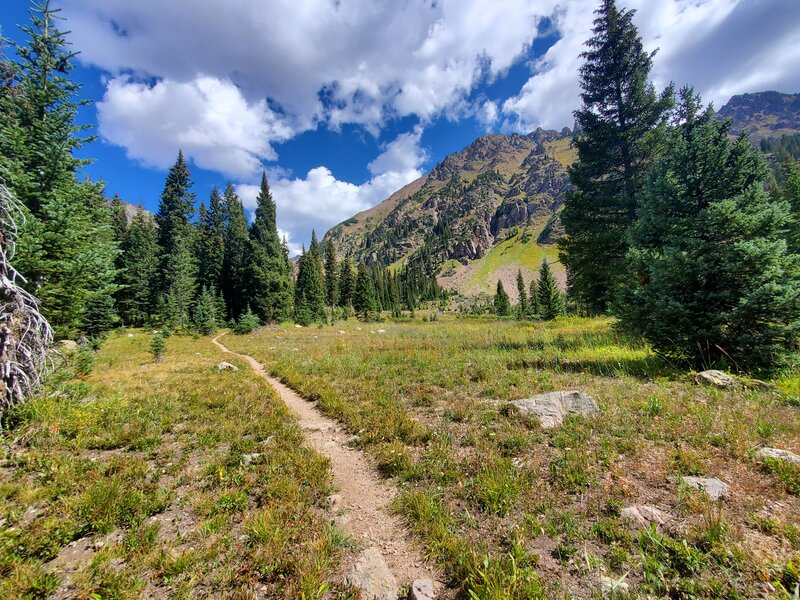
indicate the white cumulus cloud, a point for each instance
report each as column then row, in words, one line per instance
column 208, row 118
column 320, row 200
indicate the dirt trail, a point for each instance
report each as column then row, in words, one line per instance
column 365, row 498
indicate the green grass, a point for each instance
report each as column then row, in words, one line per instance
column 513, row 254
column 513, row 511
column 141, row 461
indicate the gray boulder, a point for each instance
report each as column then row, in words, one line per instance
column 778, row 454
column 642, row 515
column 715, row 378
column 551, row 408
column 226, row 366
column 713, row 488
column 422, row 589
column 371, row 575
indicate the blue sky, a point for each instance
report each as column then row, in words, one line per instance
column 343, row 102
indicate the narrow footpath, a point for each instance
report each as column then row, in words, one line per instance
column 363, row 498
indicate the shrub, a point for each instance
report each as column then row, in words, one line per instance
column 158, row 345
column 248, row 322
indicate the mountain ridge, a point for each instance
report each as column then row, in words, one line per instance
column 491, row 209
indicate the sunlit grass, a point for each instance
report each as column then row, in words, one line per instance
column 427, row 401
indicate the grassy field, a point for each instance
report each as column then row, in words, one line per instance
column 510, row 510
column 502, row 261
column 162, row 479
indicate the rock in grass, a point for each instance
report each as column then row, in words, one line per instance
column 422, row 589
column 715, row 378
column 713, row 487
column 251, row 458
column 643, row 515
column 778, row 454
column 610, row 586
column 226, row 366
column 68, row 344
column 551, row 408
column 371, row 575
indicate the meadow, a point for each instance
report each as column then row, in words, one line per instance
column 169, row 479
column 510, row 510
column 134, row 478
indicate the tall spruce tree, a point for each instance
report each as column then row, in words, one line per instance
column 523, row 309
column 309, row 302
column 364, row 303
column 205, row 313
column 619, row 132
column 331, row 275
column 66, row 248
column 710, row 278
column 550, row 300
column 502, row 305
column 269, row 272
column 347, row 283
column 211, row 242
column 790, row 192
column 177, row 263
column 234, row 276
column 138, row 271
column 533, row 299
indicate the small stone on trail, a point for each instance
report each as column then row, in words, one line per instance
column 551, row 408
column 226, row 366
column 342, row 331
column 778, row 454
column 335, row 501
column 381, row 331
column 421, row 589
column 714, row 488
column 299, row 326
column 371, row 575
column 643, row 515
column 715, row 378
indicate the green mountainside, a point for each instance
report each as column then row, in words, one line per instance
column 763, row 114
column 492, row 208
column 479, row 215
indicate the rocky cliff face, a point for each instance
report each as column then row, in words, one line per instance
column 467, row 203
column 763, row 114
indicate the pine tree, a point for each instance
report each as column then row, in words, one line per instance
column 710, row 278
column 205, row 313
column 269, row 274
column 248, row 322
column 502, row 305
column 790, row 192
column 620, row 130
column 181, row 275
column 331, row 274
column 550, row 300
column 119, row 218
column 364, row 294
column 309, row 303
column 346, row 283
column 234, row 276
column 211, row 242
column 534, row 310
column 66, row 248
column 523, row 309
column 138, row 271
column 177, row 263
